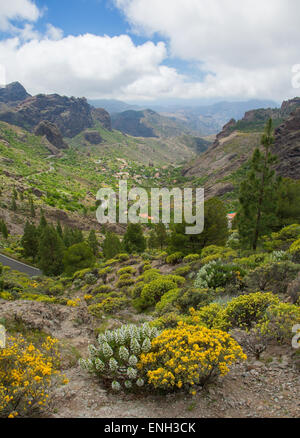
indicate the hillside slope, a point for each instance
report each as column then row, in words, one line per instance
column 148, row 123
column 219, row 168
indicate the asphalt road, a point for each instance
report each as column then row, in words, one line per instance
column 18, row 266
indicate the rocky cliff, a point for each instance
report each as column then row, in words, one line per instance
column 71, row 115
column 102, row 116
column 236, row 142
column 13, row 93
column 287, row 146
column 52, row 133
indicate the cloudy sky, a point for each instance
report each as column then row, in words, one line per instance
column 142, row 50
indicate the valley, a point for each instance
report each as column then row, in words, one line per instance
column 115, row 303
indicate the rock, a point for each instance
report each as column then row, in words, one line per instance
column 38, row 193
column 103, row 117
column 7, row 161
column 13, row 93
column 93, row 137
column 287, row 146
column 69, row 114
column 52, row 133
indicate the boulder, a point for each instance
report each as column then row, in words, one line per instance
column 52, row 133
column 93, row 137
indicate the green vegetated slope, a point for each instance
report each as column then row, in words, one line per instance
column 70, row 180
column 159, row 151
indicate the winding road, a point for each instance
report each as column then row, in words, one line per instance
column 19, row 266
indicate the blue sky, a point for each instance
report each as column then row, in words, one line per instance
column 77, row 17
column 152, row 50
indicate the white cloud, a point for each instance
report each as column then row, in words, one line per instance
column 54, row 33
column 89, row 65
column 249, row 46
column 18, row 10
column 243, row 49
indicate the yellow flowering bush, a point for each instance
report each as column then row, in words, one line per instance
column 187, row 356
column 26, row 374
column 210, row 316
column 73, row 303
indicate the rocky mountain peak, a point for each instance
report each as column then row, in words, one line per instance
column 12, row 93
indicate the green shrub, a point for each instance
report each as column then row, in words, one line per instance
column 175, row 278
column 175, row 258
column 125, row 281
column 245, row 310
column 7, row 296
column 214, row 252
column 147, row 266
column 103, row 273
column 195, row 298
column 217, row 274
column 105, row 288
column 90, row 278
column 81, row 274
column 272, row 276
column 167, row 301
column 150, row 275
column 169, row 320
column 116, row 356
column 295, row 251
column 191, row 258
column 109, row 305
column 126, row 270
column 283, row 239
column 152, row 293
column 56, row 290
column 123, row 257
column 137, row 290
column 183, row 271
column 278, row 322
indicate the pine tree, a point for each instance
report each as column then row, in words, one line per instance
column 134, row 240
column 78, row 257
column 158, row 236
column 259, row 193
column 30, row 241
column 288, row 206
column 14, row 206
column 3, row 229
column 15, row 194
column 43, row 223
column 67, row 237
column 111, row 245
column 51, row 252
column 92, row 241
column 59, row 229
column 153, row 242
column 215, row 230
column 32, row 209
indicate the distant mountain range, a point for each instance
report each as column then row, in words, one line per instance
column 199, row 120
